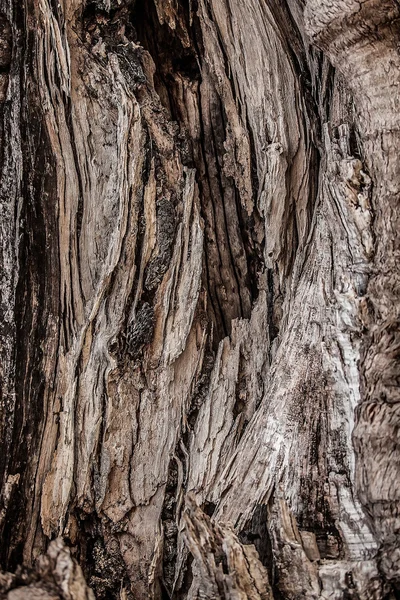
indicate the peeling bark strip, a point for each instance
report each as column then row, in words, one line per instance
column 199, row 300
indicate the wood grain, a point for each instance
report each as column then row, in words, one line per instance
column 199, row 299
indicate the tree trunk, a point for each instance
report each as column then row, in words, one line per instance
column 199, row 301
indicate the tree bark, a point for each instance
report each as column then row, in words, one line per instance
column 199, row 304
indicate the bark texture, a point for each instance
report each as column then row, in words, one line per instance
column 199, row 300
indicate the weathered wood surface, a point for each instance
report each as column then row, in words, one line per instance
column 200, row 299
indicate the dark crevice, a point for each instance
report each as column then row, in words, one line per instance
column 272, row 325
column 37, row 300
column 230, row 291
column 256, row 532
column 211, row 246
column 316, row 514
column 169, row 520
column 181, row 593
column 202, row 386
column 99, row 556
column 79, row 210
column 241, row 398
column 209, row 213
